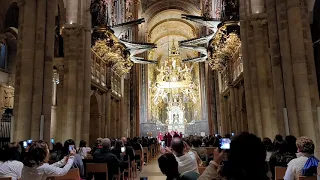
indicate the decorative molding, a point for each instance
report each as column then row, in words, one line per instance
column 72, row 30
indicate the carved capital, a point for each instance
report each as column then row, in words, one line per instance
column 72, row 30
column 258, row 20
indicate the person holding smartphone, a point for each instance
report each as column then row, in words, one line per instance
column 36, row 164
column 69, row 145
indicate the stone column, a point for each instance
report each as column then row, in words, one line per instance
column 87, row 72
column 301, row 68
column 60, row 106
column 71, row 11
column 233, row 109
column 277, row 77
column 287, row 69
column 72, row 44
column 269, row 124
column 108, row 114
column 103, row 115
column 252, row 121
column 254, row 82
column 33, row 87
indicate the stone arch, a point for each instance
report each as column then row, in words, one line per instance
column 12, row 16
column 95, row 117
column 159, row 6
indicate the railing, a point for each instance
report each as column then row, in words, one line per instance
column 104, row 76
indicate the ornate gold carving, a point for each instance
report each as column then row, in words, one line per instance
column 113, row 54
column 223, row 51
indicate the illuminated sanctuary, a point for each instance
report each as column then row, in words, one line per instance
column 174, row 92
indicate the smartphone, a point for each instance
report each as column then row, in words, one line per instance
column 232, row 134
column 29, row 141
column 143, row 178
column 71, row 147
column 163, row 144
column 25, row 144
column 123, row 149
column 52, row 141
column 216, row 135
column 225, row 143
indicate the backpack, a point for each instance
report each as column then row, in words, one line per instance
column 310, row 168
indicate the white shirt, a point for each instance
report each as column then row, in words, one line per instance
column 295, row 167
column 83, row 152
column 47, row 170
column 186, row 164
column 11, row 169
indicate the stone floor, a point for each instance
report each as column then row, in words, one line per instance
column 151, row 171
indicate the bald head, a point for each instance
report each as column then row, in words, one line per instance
column 177, row 145
column 124, row 140
column 106, row 143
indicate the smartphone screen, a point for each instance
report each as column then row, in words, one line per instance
column 71, row 147
column 29, row 141
column 232, row 134
column 225, row 143
column 123, row 149
column 52, row 141
column 25, row 144
column 143, row 178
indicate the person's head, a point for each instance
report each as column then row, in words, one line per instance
column 57, row 146
column 196, row 142
column 124, row 140
column 82, row 143
column 267, row 144
column 66, row 145
column 177, row 146
column 10, row 152
column 291, row 140
column 228, row 136
column 246, row 159
column 278, row 138
column 38, row 153
column 305, row 145
column 106, row 143
column 98, row 142
column 168, row 165
column 118, row 145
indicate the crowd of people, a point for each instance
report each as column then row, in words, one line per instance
column 248, row 158
column 37, row 162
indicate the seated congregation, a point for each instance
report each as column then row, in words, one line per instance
column 107, row 159
column 248, row 158
column 189, row 158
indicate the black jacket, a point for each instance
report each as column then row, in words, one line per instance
column 105, row 156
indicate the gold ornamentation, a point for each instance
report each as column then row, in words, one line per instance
column 113, row 54
column 223, row 50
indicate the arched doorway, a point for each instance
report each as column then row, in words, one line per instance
column 94, row 119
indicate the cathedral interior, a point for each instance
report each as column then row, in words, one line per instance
column 84, row 69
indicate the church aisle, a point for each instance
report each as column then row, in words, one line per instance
column 151, row 171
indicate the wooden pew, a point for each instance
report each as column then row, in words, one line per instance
column 97, row 168
column 279, row 172
column 146, row 154
column 5, row 178
column 308, row 178
column 140, row 160
column 73, row 174
column 201, row 169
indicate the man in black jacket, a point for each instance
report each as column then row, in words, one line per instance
column 104, row 155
